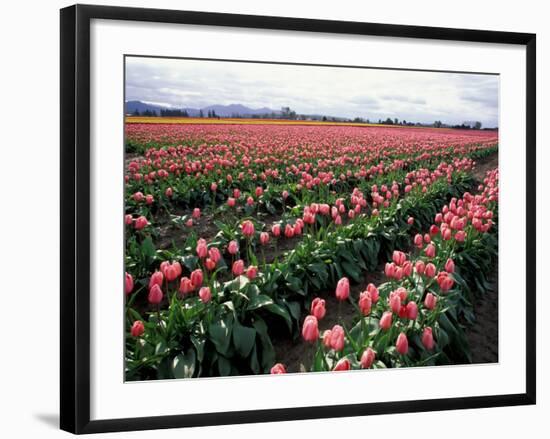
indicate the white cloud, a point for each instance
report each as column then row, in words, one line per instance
column 348, row 92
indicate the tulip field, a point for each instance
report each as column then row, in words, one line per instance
column 272, row 248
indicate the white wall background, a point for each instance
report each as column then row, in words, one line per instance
column 29, row 217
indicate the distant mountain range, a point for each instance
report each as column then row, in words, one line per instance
column 220, row 110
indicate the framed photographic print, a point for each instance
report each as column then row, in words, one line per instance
column 286, row 218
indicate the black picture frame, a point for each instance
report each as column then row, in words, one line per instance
column 75, row 217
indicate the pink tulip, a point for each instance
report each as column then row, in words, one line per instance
column 402, row 344
column 196, row 278
column 196, row 213
column 278, row 369
column 430, row 301
column 412, row 311
column 259, row 191
column 289, row 231
column 264, row 238
column 186, row 286
column 395, row 302
column 445, row 281
column 231, row 202
column 213, row 187
column 430, row 270
column 205, row 295
column 427, row 338
column 128, row 220
column 410, row 220
column 238, row 267
column 210, row 264
column 149, row 199
column 157, row 278
column 365, row 303
column 318, row 308
column 430, row 251
column 214, row 254
column 460, row 236
column 155, row 295
column 399, row 257
column 129, row 283
column 276, row 230
column 138, row 329
column 247, row 228
column 342, row 289
column 250, row 201
column 285, row 195
column 342, row 365
column 389, row 270
column 310, row 329
column 138, row 196
column 202, row 249
column 418, row 242
column 171, row 273
column 141, row 223
column 386, row 320
column 367, row 359
column 252, row 272
column 450, row 266
column 169, row 192
column 420, row 266
column 233, row 247
column 337, row 338
column 373, row 291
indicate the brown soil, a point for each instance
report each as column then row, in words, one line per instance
column 483, row 335
column 483, row 165
column 296, row 355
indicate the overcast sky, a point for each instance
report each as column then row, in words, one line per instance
column 347, row 92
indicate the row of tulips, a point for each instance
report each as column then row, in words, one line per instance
column 411, row 320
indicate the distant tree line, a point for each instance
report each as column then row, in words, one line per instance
column 288, row 114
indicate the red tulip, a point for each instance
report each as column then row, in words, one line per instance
column 367, row 359
column 402, row 344
column 342, row 289
column 310, row 329
column 138, row 329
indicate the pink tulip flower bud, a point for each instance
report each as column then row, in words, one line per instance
column 264, row 238
column 202, row 249
column 386, row 320
column 247, row 228
column 128, row 220
column 460, row 236
column 420, row 266
column 402, row 344
column 373, row 291
column 276, row 230
column 342, row 365
column 141, row 223
column 310, row 329
column 365, row 303
column 342, row 289
column 252, row 272
column 367, row 359
column 156, row 279
column 427, row 338
column 233, row 247
column 418, row 242
column 231, row 202
column 430, row 270
column 129, row 283
column 196, row 278
column 318, row 308
column 138, row 328
column 337, row 338
column 412, row 311
column 155, row 295
column 430, row 301
column 430, row 251
column 326, row 338
column 205, row 294
column 278, row 369
column 450, row 266
column 186, row 286
column 395, row 302
column 238, row 267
